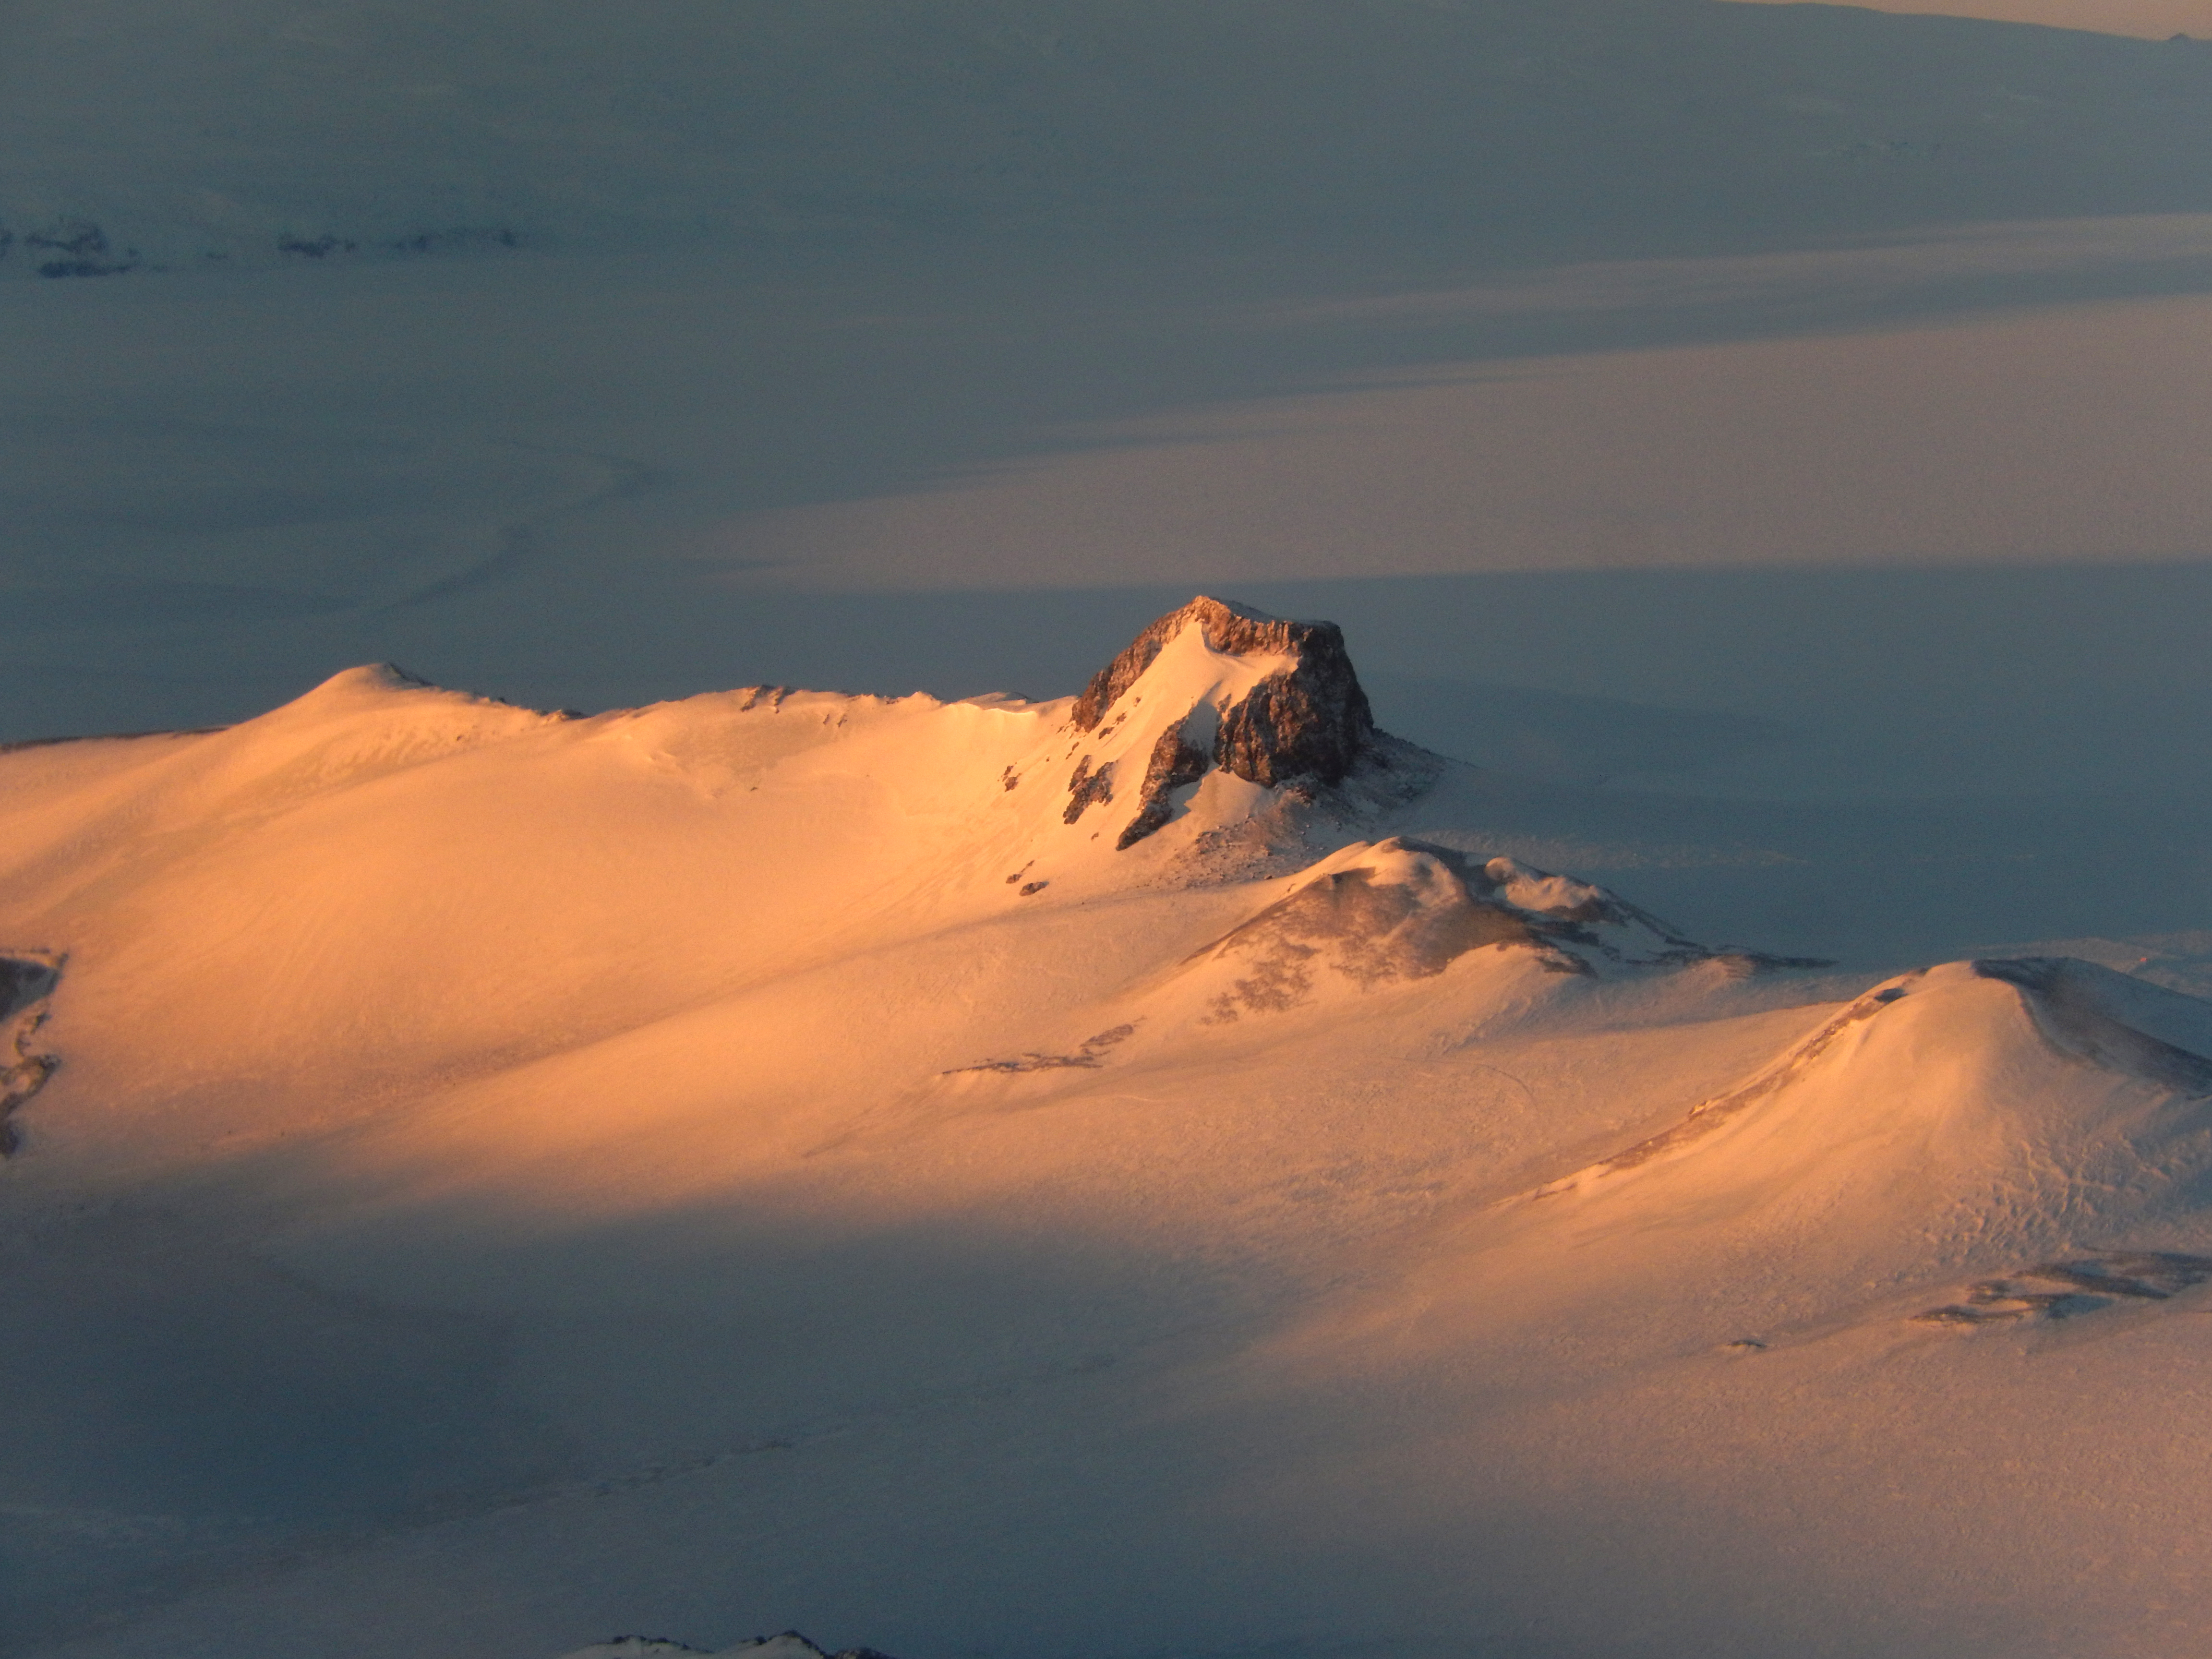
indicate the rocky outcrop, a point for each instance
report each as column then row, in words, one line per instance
column 1307, row 723
column 1317, row 705
column 2061, row 1290
column 1176, row 761
column 1087, row 789
column 26, row 983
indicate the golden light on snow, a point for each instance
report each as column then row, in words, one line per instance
column 755, row 1103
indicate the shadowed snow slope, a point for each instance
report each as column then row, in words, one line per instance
column 138, row 133
column 1142, row 1174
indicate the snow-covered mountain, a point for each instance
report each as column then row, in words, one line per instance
column 1145, row 1172
column 139, row 133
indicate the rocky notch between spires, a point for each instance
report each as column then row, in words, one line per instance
column 1306, row 724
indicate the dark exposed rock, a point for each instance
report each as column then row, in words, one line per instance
column 1089, row 1057
column 77, row 247
column 1176, row 761
column 315, row 248
column 25, row 984
column 80, row 239
column 1088, row 789
column 2060, row 1289
column 1308, row 723
column 1327, row 685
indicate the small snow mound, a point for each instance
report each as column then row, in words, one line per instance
column 370, row 678
column 2006, row 1104
column 1400, row 909
column 382, row 689
column 1528, row 889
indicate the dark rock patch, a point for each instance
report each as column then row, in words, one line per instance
column 26, row 983
column 1308, row 721
column 1307, row 725
column 1176, row 763
column 1087, row 789
column 1088, row 1057
column 316, row 247
column 77, row 247
column 2063, row 1290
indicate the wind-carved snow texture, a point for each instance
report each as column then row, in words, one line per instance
column 27, row 983
column 1407, row 909
column 788, row 1645
column 2061, row 1290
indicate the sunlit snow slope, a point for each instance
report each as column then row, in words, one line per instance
column 1163, row 1171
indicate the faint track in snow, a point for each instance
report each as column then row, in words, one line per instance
column 522, row 542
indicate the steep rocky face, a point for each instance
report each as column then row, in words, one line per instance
column 1309, row 722
column 1305, row 723
column 1175, row 761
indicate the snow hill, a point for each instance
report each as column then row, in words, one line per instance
column 139, row 134
column 1136, row 1173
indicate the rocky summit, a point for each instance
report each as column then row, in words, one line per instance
column 1306, row 722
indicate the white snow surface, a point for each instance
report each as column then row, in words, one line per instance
column 678, row 1170
column 491, row 1180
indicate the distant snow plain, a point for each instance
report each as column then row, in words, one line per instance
column 1827, row 534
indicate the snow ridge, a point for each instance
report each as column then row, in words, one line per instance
column 2081, row 1014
